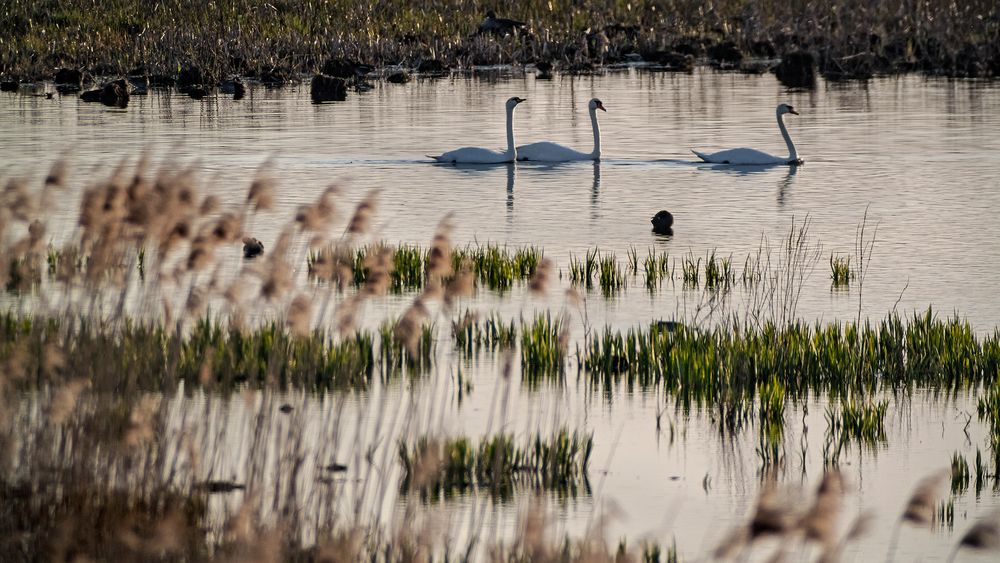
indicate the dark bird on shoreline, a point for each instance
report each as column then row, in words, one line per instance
column 499, row 26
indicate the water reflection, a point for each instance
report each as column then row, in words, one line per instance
column 785, row 184
column 511, row 174
column 595, row 190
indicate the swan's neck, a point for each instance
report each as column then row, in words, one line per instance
column 597, row 134
column 792, row 155
column 511, row 150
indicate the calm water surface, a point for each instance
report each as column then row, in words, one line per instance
column 922, row 157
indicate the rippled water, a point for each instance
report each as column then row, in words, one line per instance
column 922, row 157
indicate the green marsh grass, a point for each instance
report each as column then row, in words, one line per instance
column 146, row 356
column 960, row 474
column 691, row 271
column 582, row 270
column 632, row 260
column 657, row 268
column 612, row 276
column 718, row 272
column 437, row 468
column 498, row 267
column 492, row 333
column 495, row 267
column 703, row 365
column 543, row 348
column 841, row 273
column 854, row 421
column 395, row 355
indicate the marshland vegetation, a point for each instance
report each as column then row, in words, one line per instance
column 204, row 43
column 264, row 336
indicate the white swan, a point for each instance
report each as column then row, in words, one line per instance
column 478, row 155
column 753, row 156
column 547, row 151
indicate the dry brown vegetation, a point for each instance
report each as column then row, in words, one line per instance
column 275, row 41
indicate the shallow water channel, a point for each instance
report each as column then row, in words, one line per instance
column 916, row 160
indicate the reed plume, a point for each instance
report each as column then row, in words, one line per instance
column 361, row 219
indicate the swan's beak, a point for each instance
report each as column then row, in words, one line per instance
column 519, row 100
column 600, row 106
column 792, row 111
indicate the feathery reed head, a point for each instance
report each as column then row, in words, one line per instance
column 361, row 220
column 920, row 507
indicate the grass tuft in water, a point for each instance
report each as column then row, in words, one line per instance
column 691, row 271
column 657, row 268
column 543, row 348
column 840, row 270
column 582, row 270
column 612, row 275
column 855, row 422
column 396, row 355
column 437, row 468
column 472, row 334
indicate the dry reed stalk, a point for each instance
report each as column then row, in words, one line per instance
column 379, row 266
column 342, row 547
column 299, row 319
column 64, row 400
column 142, row 422
column 361, row 219
column 539, row 284
column 439, row 262
column 56, row 177
column 277, row 273
column 318, row 217
column 820, row 523
column 407, row 330
column 920, row 507
column 347, row 314
column 984, row 535
column 463, row 284
column 261, row 194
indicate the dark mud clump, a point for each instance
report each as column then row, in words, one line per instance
column 328, row 89
column 797, row 70
column 112, row 94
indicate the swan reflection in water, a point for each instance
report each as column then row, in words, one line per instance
column 785, row 183
column 485, row 172
column 562, row 170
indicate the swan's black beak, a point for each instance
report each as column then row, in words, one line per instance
column 792, row 111
column 519, row 100
column 600, row 106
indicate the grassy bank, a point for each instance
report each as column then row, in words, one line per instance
column 277, row 40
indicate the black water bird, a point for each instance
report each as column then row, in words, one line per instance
column 663, row 223
column 499, row 26
column 252, row 247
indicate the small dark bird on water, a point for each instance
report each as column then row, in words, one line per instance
column 252, row 247
column 663, row 223
column 499, row 26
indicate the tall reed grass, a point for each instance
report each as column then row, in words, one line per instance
column 849, row 38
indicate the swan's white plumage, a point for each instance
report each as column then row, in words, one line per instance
column 474, row 155
column 741, row 156
column 547, row 151
column 479, row 155
column 754, row 156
